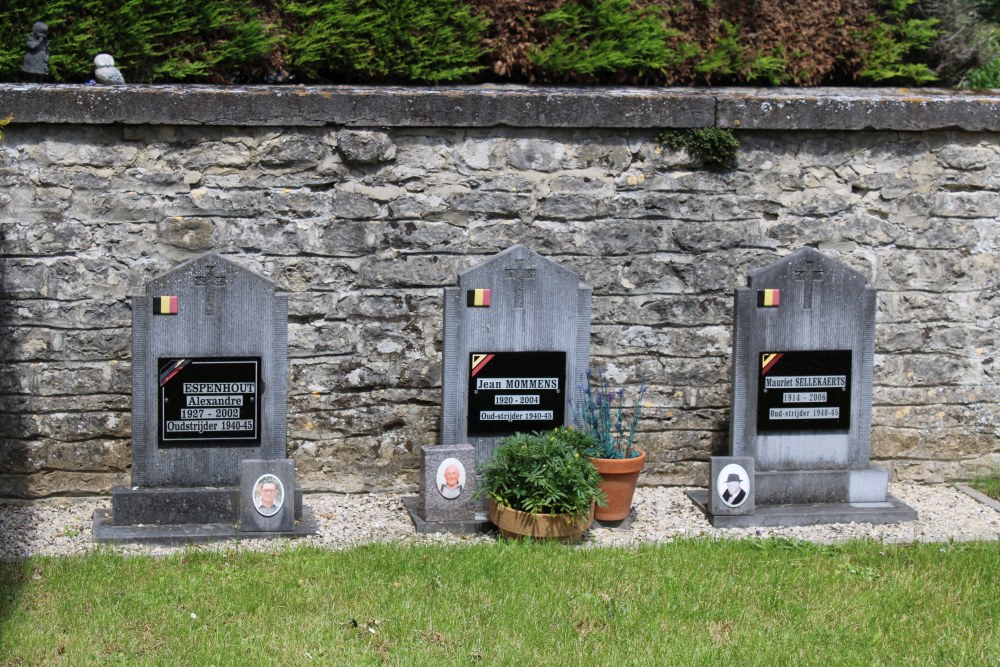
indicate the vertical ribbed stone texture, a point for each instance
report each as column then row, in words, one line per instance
column 140, row 386
column 551, row 313
column 224, row 310
column 825, row 309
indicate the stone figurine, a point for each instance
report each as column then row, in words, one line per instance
column 106, row 72
column 36, row 60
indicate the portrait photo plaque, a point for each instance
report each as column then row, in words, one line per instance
column 732, row 488
column 450, row 478
column 511, row 392
column 733, row 485
column 267, row 495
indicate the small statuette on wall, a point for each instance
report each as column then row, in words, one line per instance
column 36, row 59
column 106, row 72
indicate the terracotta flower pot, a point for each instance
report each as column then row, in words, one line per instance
column 619, row 479
column 517, row 524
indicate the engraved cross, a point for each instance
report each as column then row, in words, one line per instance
column 519, row 274
column 807, row 273
column 211, row 283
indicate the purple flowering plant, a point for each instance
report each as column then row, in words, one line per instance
column 601, row 412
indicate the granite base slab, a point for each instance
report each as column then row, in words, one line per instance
column 190, row 533
column 620, row 525
column 892, row 510
column 180, row 505
column 472, row 526
column 823, row 487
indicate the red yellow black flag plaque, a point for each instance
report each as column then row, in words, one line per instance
column 768, row 298
column 478, row 298
column 165, row 305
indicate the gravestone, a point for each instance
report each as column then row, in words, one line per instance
column 803, row 357
column 516, row 341
column 266, row 501
column 209, row 385
column 731, row 485
column 447, row 488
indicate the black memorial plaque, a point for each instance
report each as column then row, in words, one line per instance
column 804, row 391
column 511, row 392
column 209, row 402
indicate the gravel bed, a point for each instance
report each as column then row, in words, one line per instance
column 63, row 526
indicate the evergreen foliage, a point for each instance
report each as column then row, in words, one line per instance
column 649, row 42
column 893, row 40
column 151, row 40
column 987, row 76
column 609, row 36
column 966, row 39
column 729, row 58
column 418, row 41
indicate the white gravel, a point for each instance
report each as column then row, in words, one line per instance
column 63, row 526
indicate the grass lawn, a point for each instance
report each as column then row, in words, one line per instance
column 988, row 484
column 691, row 602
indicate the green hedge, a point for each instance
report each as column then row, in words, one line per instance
column 418, row 41
column 151, row 40
column 439, row 41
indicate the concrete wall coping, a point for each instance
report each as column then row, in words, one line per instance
column 506, row 105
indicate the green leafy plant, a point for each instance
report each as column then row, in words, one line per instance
column 607, row 36
column 715, row 146
column 543, row 473
column 892, row 42
column 601, row 414
column 4, row 122
column 423, row 41
column 987, row 76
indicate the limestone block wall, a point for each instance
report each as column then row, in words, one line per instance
column 364, row 203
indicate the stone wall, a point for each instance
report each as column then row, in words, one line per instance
column 365, row 203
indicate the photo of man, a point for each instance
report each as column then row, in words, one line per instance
column 451, row 478
column 733, row 485
column 268, row 495
column 734, row 495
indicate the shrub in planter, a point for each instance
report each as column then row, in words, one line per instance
column 543, row 478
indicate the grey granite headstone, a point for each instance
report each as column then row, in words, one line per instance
column 516, row 340
column 209, row 385
column 447, row 487
column 448, row 482
column 267, row 495
column 803, row 356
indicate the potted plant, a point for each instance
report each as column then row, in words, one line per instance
column 600, row 412
column 542, row 485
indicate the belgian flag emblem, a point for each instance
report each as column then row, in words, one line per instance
column 768, row 298
column 165, row 305
column 478, row 298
